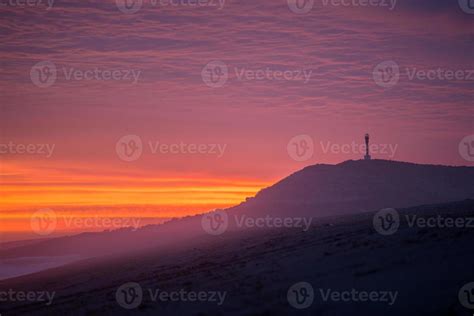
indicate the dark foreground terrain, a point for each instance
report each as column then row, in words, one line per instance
column 424, row 267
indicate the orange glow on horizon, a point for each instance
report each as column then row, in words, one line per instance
column 78, row 195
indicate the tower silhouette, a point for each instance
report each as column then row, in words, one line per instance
column 367, row 155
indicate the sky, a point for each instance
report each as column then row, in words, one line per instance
column 160, row 109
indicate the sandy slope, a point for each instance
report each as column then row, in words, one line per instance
column 426, row 266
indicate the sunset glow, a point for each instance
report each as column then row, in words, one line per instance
column 133, row 124
column 148, row 198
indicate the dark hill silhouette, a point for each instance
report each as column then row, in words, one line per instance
column 351, row 186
